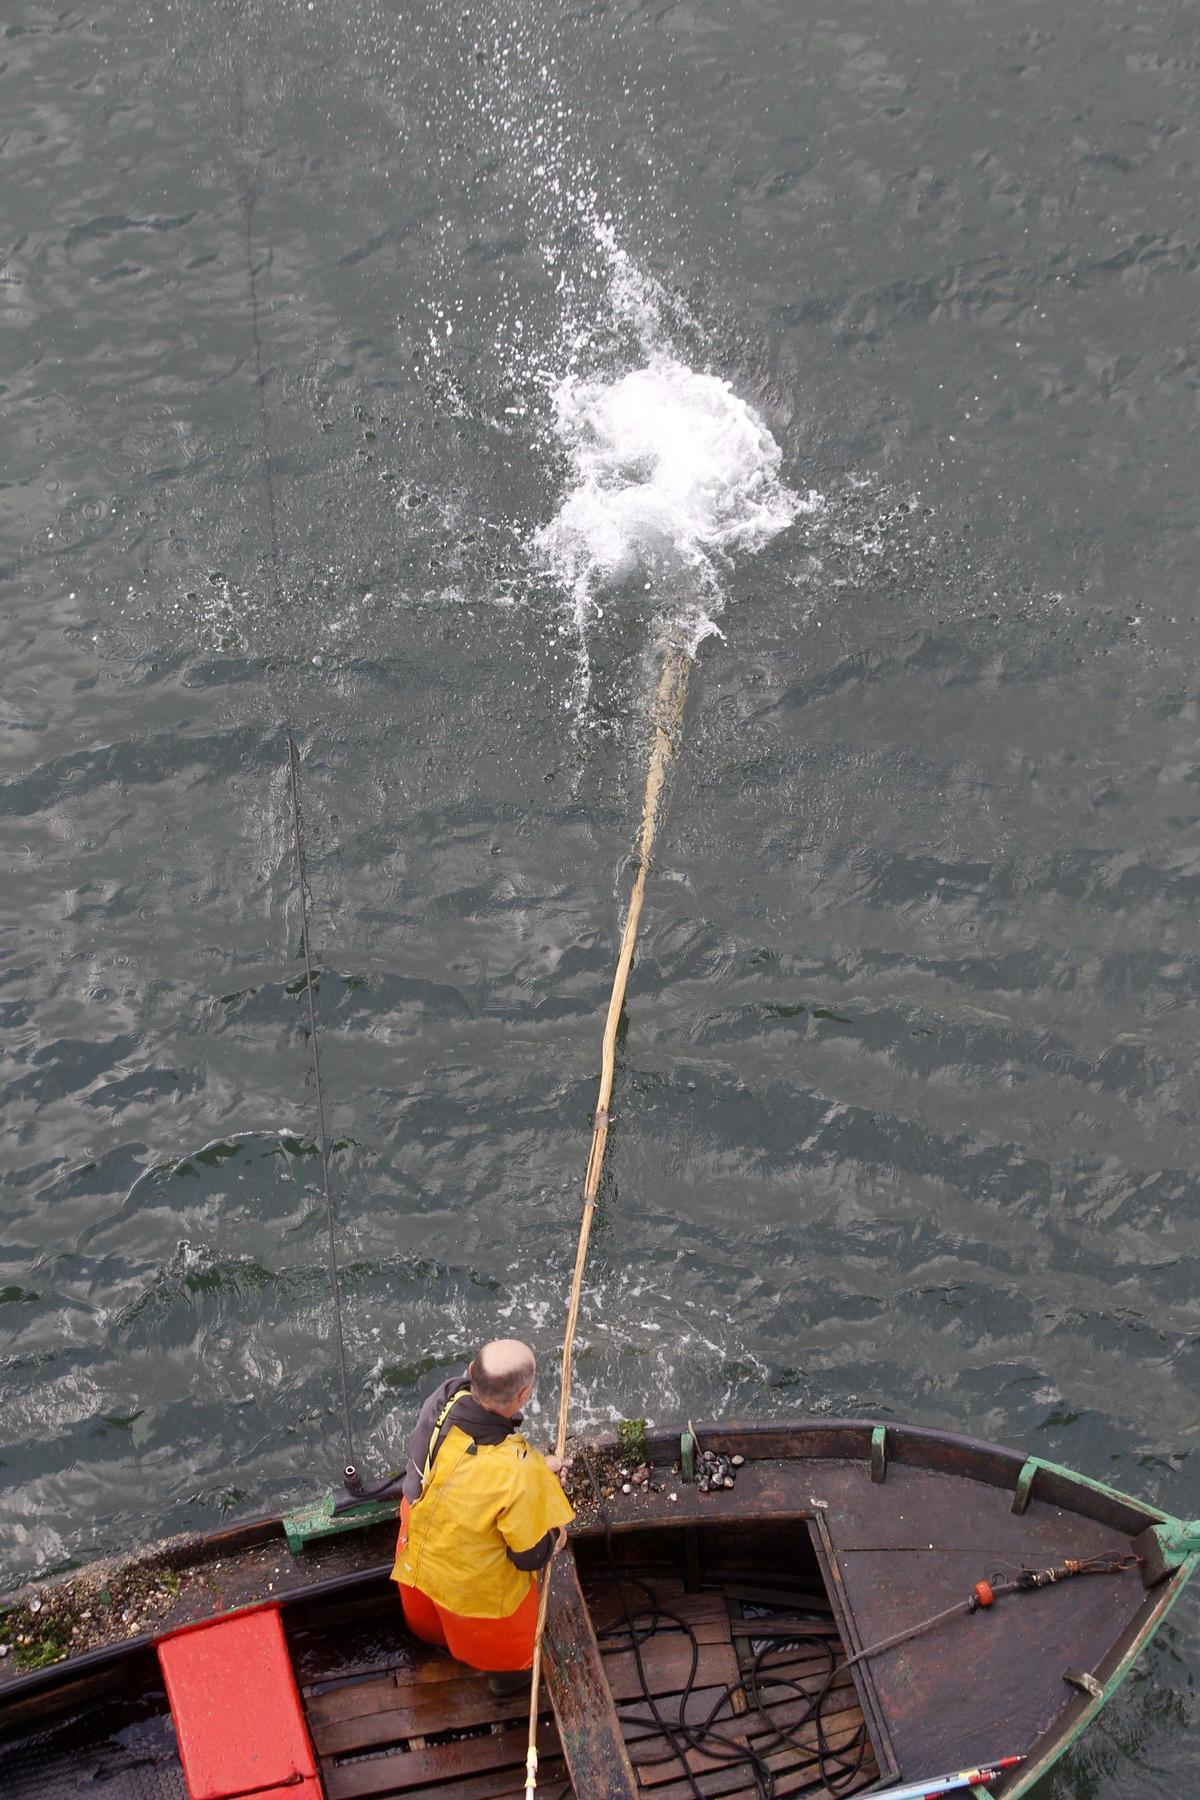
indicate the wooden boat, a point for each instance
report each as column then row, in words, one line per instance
column 762, row 1657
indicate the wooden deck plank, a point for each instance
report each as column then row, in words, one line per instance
column 438, row 1666
column 799, row 1784
column 729, row 1784
column 709, row 1627
column 377, row 1694
column 457, row 1706
column 496, row 1784
column 790, row 1712
column 655, row 1768
column 637, row 1721
column 807, row 1780
column 668, row 1666
column 666, row 1586
column 774, row 1626
column 705, row 1631
column 448, row 1764
column 435, row 1706
column 605, row 1604
column 811, row 1670
column 588, row 1727
column 505, row 1785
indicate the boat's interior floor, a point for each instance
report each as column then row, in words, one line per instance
column 752, row 1668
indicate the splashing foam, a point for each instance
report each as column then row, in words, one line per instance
column 671, row 475
column 672, row 472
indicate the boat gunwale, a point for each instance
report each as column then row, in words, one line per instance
column 823, row 1440
column 816, row 1440
column 945, row 1452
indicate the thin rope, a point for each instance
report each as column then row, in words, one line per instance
column 1029, row 1581
column 249, row 200
column 666, row 715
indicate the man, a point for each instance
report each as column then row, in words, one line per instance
column 481, row 1513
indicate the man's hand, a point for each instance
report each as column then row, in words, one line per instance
column 557, row 1465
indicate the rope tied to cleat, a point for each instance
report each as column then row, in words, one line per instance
column 984, row 1594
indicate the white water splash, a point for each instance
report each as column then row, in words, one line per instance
column 672, row 473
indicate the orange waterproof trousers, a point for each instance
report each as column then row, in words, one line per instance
column 495, row 1645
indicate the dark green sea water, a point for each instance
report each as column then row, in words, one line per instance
column 906, row 1118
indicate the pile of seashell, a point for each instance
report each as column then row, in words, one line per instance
column 631, row 1479
column 716, row 1471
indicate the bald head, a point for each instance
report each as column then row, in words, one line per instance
column 502, row 1375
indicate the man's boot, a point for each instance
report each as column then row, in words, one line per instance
column 511, row 1681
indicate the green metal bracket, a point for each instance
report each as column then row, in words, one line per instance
column 1024, row 1488
column 1034, row 1464
column 687, row 1455
column 879, row 1453
column 318, row 1520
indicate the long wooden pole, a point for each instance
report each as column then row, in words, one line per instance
column 666, row 718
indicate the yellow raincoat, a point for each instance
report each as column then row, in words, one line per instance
column 479, row 1502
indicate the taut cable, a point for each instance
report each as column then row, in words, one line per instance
column 666, row 717
column 249, row 199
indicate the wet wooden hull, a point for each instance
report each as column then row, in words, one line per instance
column 879, row 1527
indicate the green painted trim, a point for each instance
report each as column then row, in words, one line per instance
column 317, row 1520
column 1033, row 1465
column 1024, row 1487
column 687, row 1455
column 1178, row 1539
column 1034, row 1772
column 879, row 1453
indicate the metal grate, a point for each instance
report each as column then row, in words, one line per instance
column 106, row 1754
